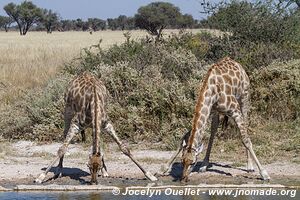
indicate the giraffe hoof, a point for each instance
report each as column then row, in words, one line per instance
column 162, row 173
column 40, row 178
column 58, row 173
column 150, row 176
column 264, row 174
column 104, row 174
column 203, row 169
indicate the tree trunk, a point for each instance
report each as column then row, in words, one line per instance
column 20, row 28
column 298, row 3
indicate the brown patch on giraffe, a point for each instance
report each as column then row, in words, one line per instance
column 228, row 89
column 212, row 81
column 233, row 106
column 231, row 73
column 218, row 71
column 228, row 103
column 232, row 98
column 222, row 87
column 220, row 80
column 223, row 70
column 208, row 93
column 235, row 81
column 228, row 99
column 202, row 118
column 222, row 98
column 204, row 111
column 227, row 79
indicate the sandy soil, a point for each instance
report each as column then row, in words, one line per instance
column 23, row 161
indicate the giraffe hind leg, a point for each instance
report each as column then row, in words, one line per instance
column 237, row 116
column 250, row 167
column 108, row 127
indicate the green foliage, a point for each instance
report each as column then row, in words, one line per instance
column 5, row 22
column 97, row 24
column 256, row 22
column 25, row 15
column 276, row 91
column 38, row 115
column 49, row 19
column 151, row 87
column 158, row 15
column 252, row 55
column 153, row 92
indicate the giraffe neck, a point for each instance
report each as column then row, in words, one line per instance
column 206, row 98
column 95, row 121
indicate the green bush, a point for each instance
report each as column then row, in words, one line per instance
column 153, row 88
column 256, row 21
column 276, row 91
column 38, row 115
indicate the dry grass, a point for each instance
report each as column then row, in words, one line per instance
column 28, row 61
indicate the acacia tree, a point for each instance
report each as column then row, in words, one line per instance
column 25, row 15
column 5, row 22
column 49, row 19
column 156, row 16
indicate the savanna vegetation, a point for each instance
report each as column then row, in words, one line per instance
column 153, row 17
column 153, row 83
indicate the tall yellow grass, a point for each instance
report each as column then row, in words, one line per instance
column 29, row 61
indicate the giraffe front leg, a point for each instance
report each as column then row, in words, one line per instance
column 250, row 167
column 103, row 167
column 214, row 129
column 60, row 153
column 237, row 116
column 166, row 170
column 108, row 127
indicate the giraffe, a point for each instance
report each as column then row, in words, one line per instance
column 224, row 91
column 86, row 99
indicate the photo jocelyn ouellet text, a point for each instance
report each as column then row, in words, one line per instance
column 150, row 192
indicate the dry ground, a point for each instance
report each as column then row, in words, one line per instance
column 23, row 161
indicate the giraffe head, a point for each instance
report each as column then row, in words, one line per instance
column 189, row 158
column 94, row 165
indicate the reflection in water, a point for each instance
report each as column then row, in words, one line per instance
column 108, row 195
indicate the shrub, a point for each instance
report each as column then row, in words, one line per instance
column 152, row 87
column 38, row 115
column 256, row 22
column 276, row 91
